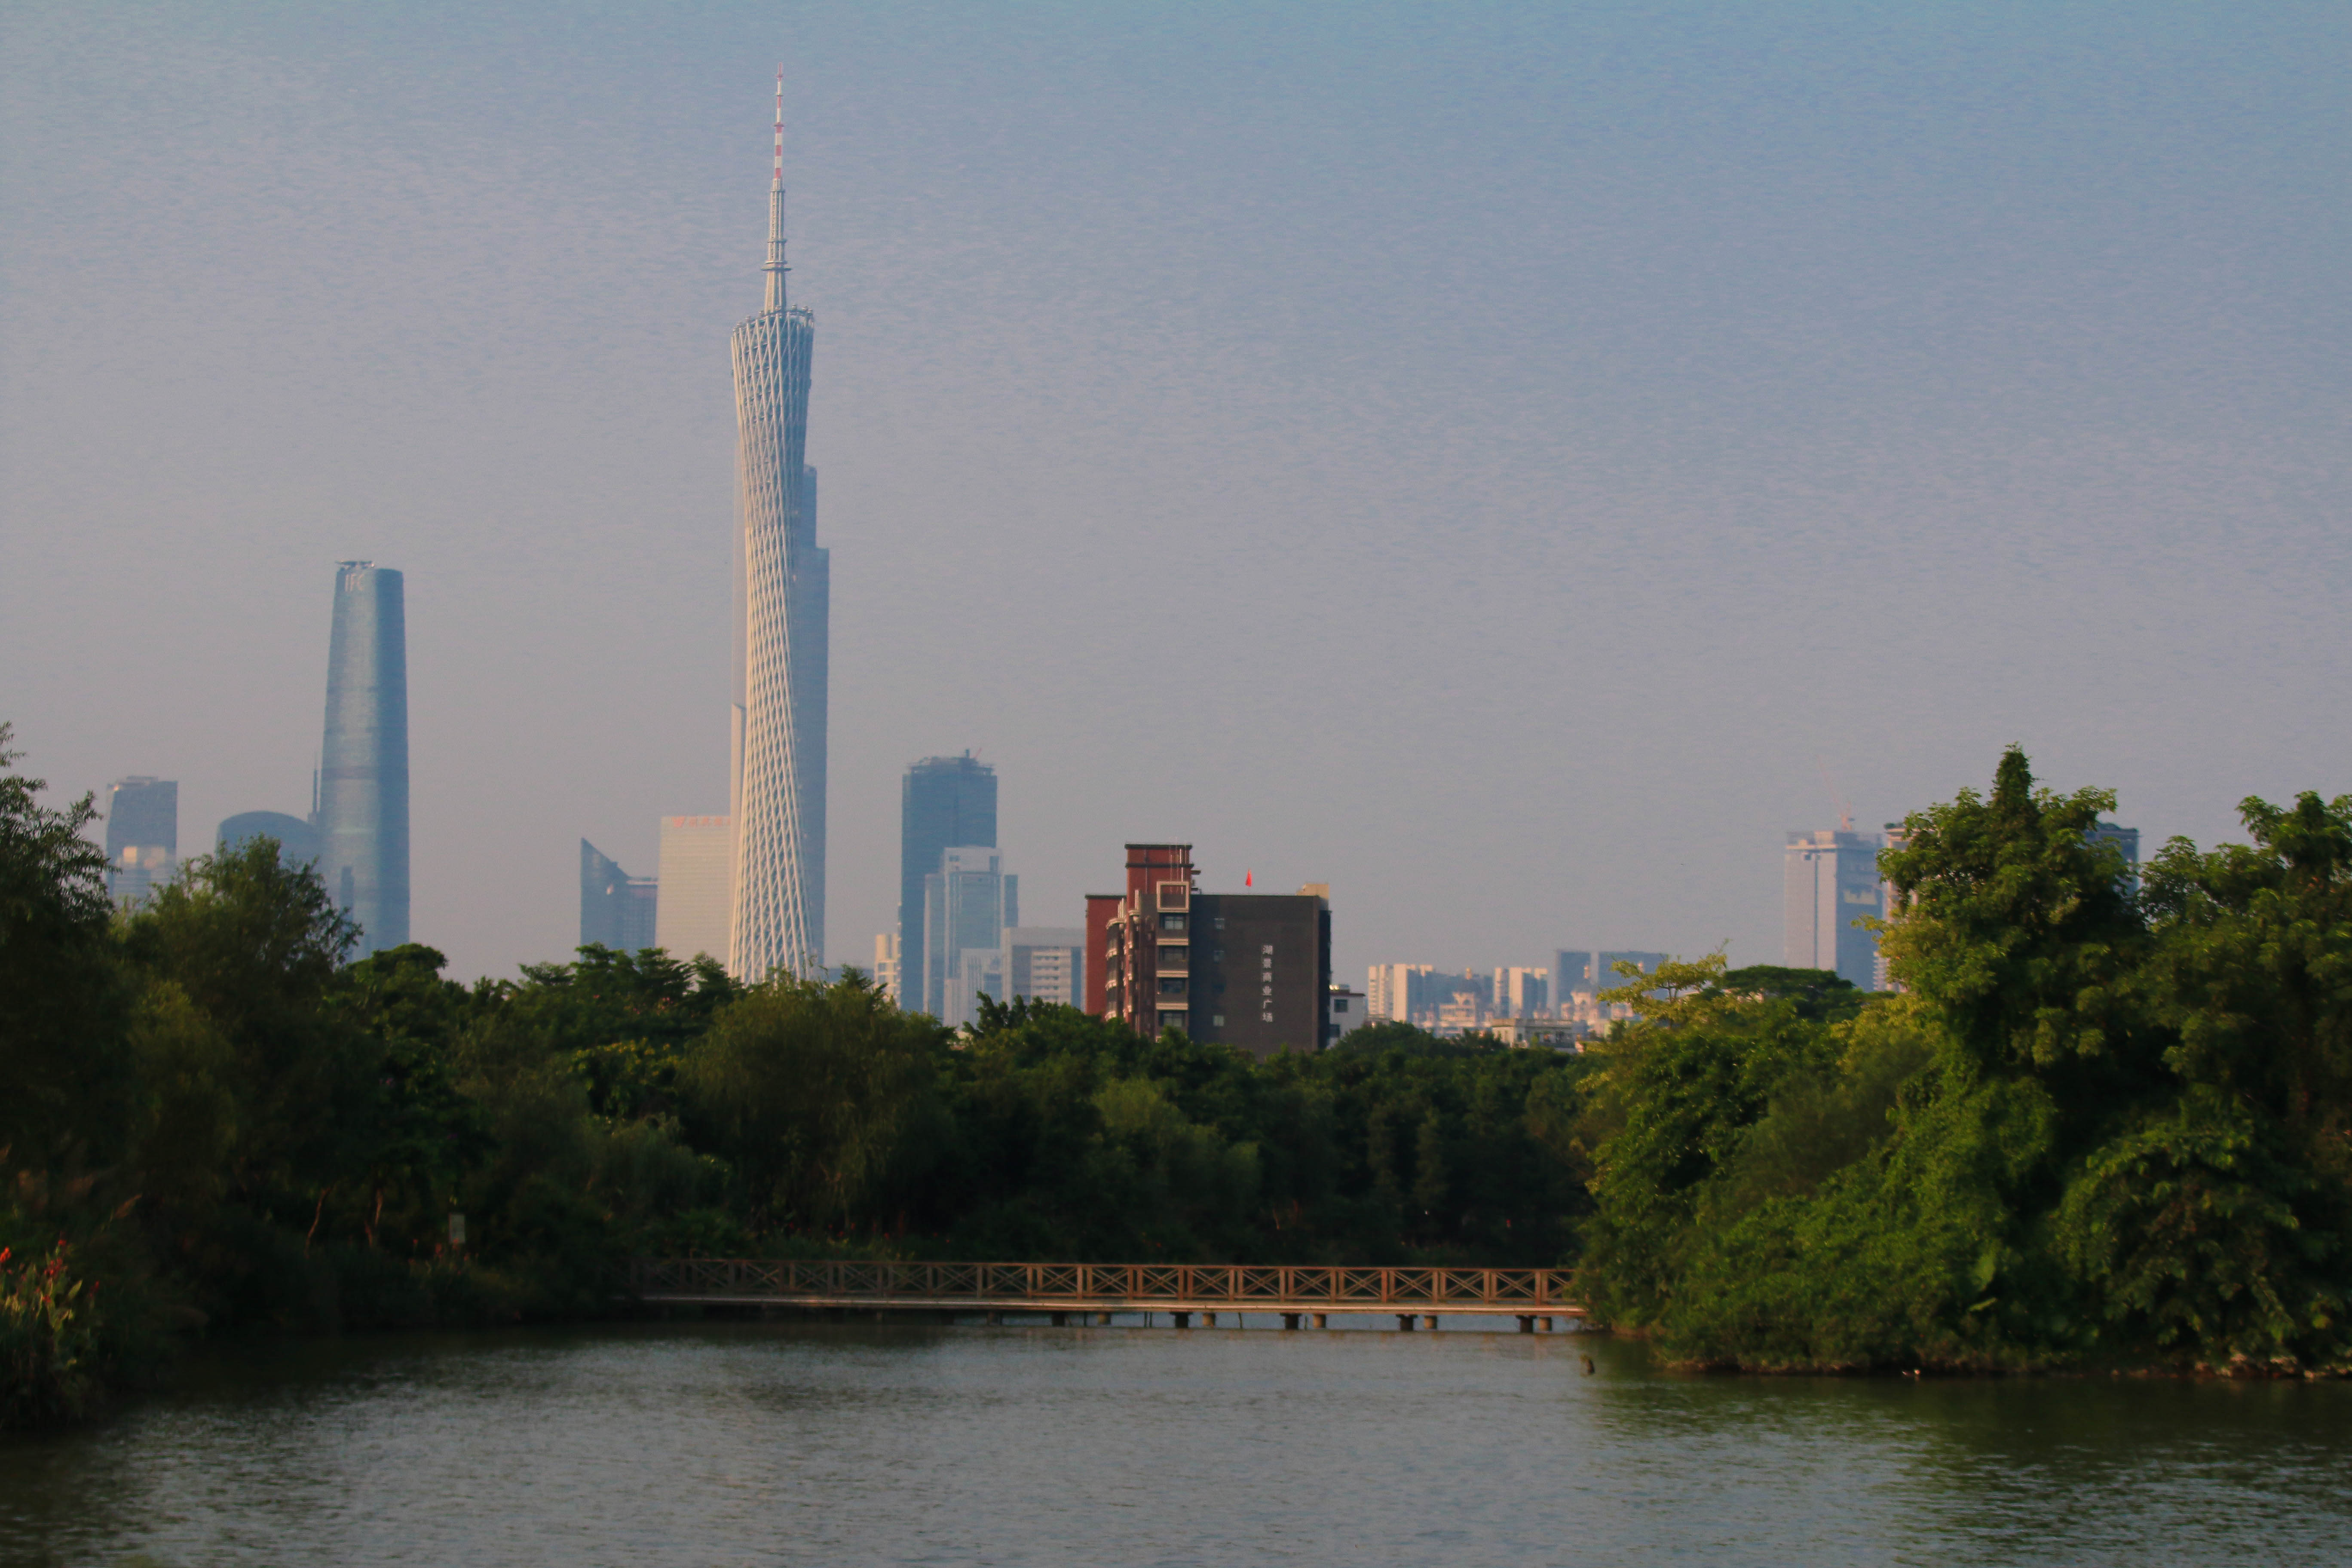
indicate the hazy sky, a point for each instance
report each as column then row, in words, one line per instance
column 1511, row 463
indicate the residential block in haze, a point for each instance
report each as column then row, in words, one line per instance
column 1592, row 971
column 1045, row 963
column 696, row 874
column 1521, row 993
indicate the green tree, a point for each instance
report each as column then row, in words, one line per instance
column 65, row 1005
column 822, row 1100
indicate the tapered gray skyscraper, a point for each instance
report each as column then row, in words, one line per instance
column 364, row 769
column 781, row 602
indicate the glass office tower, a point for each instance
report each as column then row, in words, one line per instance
column 143, row 836
column 363, row 768
column 616, row 910
column 298, row 838
column 943, row 803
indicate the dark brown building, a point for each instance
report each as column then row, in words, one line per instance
column 1250, row 970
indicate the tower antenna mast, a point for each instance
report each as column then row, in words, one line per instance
column 775, row 267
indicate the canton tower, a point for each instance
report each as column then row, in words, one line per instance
column 782, row 595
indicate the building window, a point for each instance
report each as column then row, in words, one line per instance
column 1219, row 923
column 1172, row 985
column 1216, row 1020
column 1172, row 922
column 1174, row 958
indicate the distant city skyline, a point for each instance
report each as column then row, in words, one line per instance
column 1521, row 420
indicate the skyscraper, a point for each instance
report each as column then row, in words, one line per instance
column 363, row 768
column 1829, row 880
column 782, row 600
column 616, row 910
column 968, row 903
column 298, row 836
column 944, row 803
column 143, row 836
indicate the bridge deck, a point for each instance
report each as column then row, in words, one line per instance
column 1103, row 1287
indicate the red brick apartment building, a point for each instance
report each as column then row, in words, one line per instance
column 1250, row 970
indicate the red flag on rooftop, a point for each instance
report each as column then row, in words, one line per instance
column 1248, row 877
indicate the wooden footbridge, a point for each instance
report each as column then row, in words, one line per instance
column 1538, row 1298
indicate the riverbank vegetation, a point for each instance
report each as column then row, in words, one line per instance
column 2107, row 1119
column 216, row 1123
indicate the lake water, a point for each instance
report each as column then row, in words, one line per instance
column 776, row 1443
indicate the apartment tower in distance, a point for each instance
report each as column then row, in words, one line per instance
column 945, row 802
column 696, row 874
column 363, row 812
column 782, row 595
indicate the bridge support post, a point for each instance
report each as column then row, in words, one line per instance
column 1547, row 1325
column 1289, row 1320
column 1527, row 1325
column 1209, row 1320
column 1404, row 1322
column 1322, row 1320
column 1184, row 1320
column 1102, row 1319
column 995, row 1319
column 1428, row 1321
column 1061, row 1320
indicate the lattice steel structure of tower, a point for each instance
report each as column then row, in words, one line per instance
column 781, row 603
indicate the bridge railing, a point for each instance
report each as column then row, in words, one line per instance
column 1310, row 1286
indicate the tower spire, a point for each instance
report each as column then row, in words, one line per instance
column 775, row 267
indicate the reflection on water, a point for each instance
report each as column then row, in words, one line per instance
column 791, row 1444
